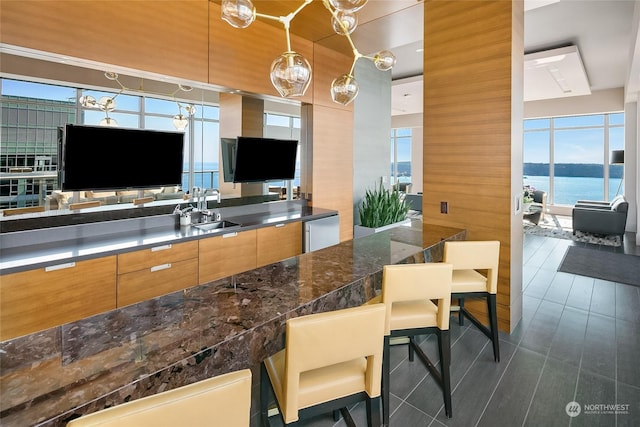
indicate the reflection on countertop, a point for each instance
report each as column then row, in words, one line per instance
column 183, row 337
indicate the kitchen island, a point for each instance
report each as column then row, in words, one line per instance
column 234, row 323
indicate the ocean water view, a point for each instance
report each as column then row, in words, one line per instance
column 206, row 175
column 568, row 189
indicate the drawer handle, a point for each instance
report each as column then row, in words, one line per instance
column 280, row 225
column 60, row 266
column 224, row 236
column 160, row 267
column 161, row 248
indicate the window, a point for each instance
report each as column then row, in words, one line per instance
column 568, row 157
column 284, row 127
column 400, row 157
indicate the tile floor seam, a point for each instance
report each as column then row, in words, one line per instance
column 546, row 358
column 584, row 339
column 535, row 389
column 496, row 386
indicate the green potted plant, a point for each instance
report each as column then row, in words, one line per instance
column 380, row 209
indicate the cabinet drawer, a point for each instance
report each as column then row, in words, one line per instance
column 34, row 300
column 161, row 254
column 226, row 255
column 278, row 242
column 157, row 280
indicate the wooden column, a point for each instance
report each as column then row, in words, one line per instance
column 473, row 130
column 240, row 116
column 327, row 142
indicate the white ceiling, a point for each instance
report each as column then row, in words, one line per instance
column 603, row 32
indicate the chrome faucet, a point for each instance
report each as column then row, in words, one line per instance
column 196, row 197
column 217, row 193
column 199, row 197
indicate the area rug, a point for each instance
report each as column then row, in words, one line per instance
column 602, row 264
column 561, row 227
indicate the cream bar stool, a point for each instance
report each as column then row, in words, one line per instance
column 467, row 257
column 407, row 293
column 223, row 401
column 331, row 360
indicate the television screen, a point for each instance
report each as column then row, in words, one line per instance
column 108, row 158
column 264, row 159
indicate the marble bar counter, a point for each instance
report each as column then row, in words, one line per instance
column 53, row 376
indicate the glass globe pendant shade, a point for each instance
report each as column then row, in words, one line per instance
column 107, row 103
column 348, row 5
column 349, row 21
column 384, row 60
column 88, row 101
column 344, row 89
column 180, row 122
column 108, row 121
column 290, row 74
column 238, row 13
column 190, row 109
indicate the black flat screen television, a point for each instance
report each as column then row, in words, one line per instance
column 108, row 158
column 264, row 159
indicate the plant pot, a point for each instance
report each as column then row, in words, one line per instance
column 360, row 231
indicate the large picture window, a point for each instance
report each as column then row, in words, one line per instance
column 401, row 158
column 568, row 157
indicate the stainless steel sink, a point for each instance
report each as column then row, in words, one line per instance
column 217, row 225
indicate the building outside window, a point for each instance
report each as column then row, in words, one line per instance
column 568, row 157
column 401, row 158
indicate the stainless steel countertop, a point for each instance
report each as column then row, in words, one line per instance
column 74, row 245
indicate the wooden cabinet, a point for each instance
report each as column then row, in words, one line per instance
column 227, row 254
column 278, row 242
column 39, row 299
column 156, row 271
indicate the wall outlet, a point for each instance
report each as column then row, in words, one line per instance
column 444, row 207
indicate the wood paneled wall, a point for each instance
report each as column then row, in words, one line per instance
column 169, row 37
column 331, row 131
column 468, row 125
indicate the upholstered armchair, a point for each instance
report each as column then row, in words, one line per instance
column 540, row 199
column 601, row 217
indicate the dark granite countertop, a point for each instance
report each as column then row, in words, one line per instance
column 58, row 374
column 40, row 248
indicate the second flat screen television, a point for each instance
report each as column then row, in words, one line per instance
column 264, row 159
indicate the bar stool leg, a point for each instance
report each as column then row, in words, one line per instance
column 444, row 347
column 386, row 360
column 493, row 323
column 461, row 311
column 264, row 396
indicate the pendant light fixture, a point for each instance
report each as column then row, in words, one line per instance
column 290, row 72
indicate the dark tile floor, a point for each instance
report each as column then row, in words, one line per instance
column 578, row 341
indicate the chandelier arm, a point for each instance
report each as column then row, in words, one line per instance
column 302, row 6
column 273, row 18
column 288, row 36
column 353, row 64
